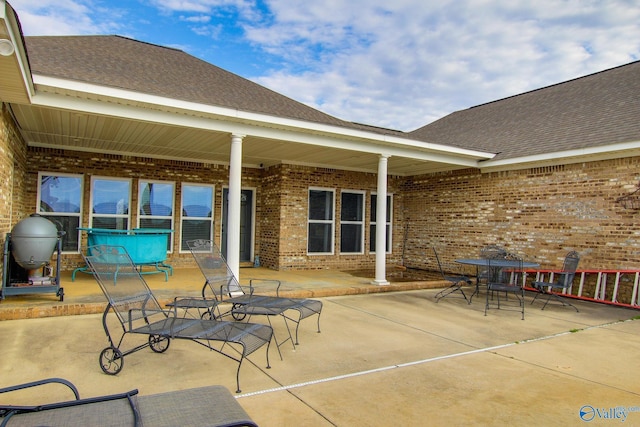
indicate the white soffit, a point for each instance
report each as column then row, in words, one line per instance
column 60, row 93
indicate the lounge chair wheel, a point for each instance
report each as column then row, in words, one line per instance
column 111, row 360
column 158, row 343
column 237, row 315
column 208, row 315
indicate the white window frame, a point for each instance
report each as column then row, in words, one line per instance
column 171, row 217
column 361, row 223
column 62, row 214
column 388, row 224
column 93, row 215
column 331, row 222
column 193, row 218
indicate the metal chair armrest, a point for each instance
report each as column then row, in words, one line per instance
column 275, row 282
column 42, row 382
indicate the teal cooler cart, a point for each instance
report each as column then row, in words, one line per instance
column 146, row 246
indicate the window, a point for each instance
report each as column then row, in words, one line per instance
column 320, row 223
column 155, row 206
column 110, row 200
column 352, row 222
column 372, row 226
column 197, row 213
column 60, row 201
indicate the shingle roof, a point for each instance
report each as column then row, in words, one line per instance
column 595, row 110
column 124, row 63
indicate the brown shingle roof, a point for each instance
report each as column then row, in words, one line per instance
column 595, row 110
column 124, row 63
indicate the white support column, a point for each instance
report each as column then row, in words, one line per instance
column 381, row 223
column 233, row 205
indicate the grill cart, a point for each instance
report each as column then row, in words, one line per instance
column 28, row 250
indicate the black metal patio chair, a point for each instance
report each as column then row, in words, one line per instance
column 490, row 252
column 140, row 313
column 508, row 281
column 261, row 298
column 562, row 284
column 203, row 406
column 484, row 274
column 456, row 282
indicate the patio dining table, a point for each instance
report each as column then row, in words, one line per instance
column 494, row 263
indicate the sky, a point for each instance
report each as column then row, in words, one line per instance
column 397, row 64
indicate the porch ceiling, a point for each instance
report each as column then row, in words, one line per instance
column 43, row 126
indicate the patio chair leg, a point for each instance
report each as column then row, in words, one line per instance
column 456, row 287
column 564, row 303
column 539, row 291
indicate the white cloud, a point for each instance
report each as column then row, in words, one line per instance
column 63, row 17
column 204, row 6
column 197, row 19
column 402, row 64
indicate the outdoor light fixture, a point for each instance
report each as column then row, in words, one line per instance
column 631, row 200
column 6, row 47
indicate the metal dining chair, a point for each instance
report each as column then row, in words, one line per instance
column 509, row 280
column 484, row 273
column 562, row 284
column 456, row 282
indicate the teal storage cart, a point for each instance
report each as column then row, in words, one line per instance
column 146, row 246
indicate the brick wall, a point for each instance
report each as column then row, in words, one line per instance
column 12, row 175
column 295, row 182
column 541, row 213
column 6, row 174
column 270, row 217
column 107, row 165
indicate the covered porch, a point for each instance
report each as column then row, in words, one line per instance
column 132, row 100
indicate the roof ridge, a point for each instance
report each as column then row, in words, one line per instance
column 105, row 36
column 382, row 128
column 554, row 85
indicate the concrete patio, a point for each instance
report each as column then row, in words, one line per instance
column 385, row 358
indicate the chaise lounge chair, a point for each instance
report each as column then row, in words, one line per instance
column 204, row 406
column 221, row 286
column 139, row 312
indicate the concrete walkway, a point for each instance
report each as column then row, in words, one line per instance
column 391, row 358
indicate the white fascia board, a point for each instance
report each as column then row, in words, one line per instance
column 7, row 14
column 603, row 152
column 346, row 136
column 220, row 125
